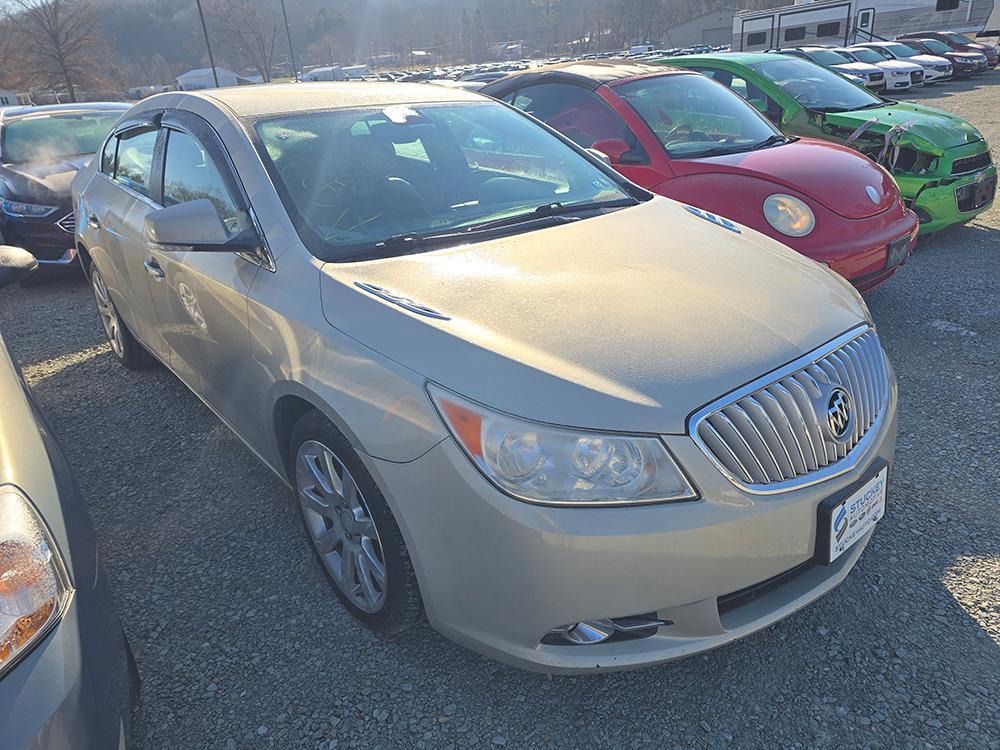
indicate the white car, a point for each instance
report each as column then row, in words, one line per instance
column 899, row 75
column 936, row 68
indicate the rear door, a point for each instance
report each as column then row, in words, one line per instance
column 116, row 202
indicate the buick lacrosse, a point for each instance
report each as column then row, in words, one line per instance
column 577, row 426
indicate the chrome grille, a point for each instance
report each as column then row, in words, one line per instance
column 771, row 435
column 67, row 223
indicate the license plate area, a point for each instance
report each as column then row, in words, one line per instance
column 844, row 518
column 898, row 251
column 975, row 195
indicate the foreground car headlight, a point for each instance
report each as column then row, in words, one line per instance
column 21, row 210
column 34, row 588
column 553, row 465
column 789, row 215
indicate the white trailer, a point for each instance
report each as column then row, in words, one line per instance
column 846, row 22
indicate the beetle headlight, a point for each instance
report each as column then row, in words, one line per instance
column 21, row 210
column 34, row 588
column 558, row 466
column 789, row 215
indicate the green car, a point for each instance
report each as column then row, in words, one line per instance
column 941, row 163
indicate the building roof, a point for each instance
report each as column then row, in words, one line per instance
column 202, row 72
column 275, row 98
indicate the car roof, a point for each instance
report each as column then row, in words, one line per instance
column 589, row 74
column 9, row 113
column 278, row 98
column 740, row 58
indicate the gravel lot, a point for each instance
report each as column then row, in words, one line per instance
column 241, row 644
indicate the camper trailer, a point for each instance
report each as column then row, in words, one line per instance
column 847, row 22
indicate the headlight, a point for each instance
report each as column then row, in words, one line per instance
column 557, row 466
column 34, row 588
column 20, row 210
column 789, row 215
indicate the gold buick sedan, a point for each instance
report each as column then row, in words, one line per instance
column 577, row 426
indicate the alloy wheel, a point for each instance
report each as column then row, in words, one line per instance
column 109, row 316
column 341, row 526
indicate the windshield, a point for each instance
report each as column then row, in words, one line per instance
column 954, row 38
column 901, row 50
column 827, row 57
column 866, row 55
column 814, row 87
column 935, row 46
column 49, row 138
column 694, row 116
column 354, row 178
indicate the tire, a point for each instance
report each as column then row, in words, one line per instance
column 124, row 345
column 352, row 532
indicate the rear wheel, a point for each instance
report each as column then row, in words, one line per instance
column 351, row 528
column 124, row 345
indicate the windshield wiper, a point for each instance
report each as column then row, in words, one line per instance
column 547, row 210
column 772, row 140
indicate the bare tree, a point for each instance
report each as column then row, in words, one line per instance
column 248, row 31
column 60, row 45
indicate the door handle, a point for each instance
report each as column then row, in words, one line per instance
column 92, row 222
column 153, row 269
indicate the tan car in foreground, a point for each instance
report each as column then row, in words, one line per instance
column 579, row 426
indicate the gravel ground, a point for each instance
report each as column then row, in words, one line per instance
column 241, row 645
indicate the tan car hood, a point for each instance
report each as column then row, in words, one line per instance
column 627, row 321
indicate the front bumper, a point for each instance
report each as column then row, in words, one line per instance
column 49, row 239
column 75, row 688
column 951, row 200
column 497, row 574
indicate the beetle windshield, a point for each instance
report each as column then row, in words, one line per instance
column 49, row 138
column 814, row 87
column 694, row 116
column 357, row 178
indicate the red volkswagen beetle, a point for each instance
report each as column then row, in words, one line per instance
column 689, row 138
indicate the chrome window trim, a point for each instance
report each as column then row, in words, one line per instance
column 841, row 466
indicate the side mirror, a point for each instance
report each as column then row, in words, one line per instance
column 613, row 148
column 15, row 264
column 195, row 225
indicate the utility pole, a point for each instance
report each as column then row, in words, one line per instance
column 208, row 44
column 291, row 50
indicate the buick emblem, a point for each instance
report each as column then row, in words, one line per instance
column 839, row 415
column 872, row 193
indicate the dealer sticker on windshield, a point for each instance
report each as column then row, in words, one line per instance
column 851, row 519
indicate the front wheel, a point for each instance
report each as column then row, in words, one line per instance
column 124, row 345
column 352, row 530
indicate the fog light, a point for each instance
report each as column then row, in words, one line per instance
column 589, row 631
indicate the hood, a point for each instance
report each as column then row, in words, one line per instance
column 930, row 60
column 972, row 57
column 41, row 183
column 627, row 321
column 832, row 175
column 928, row 129
column 900, row 66
column 857, row 68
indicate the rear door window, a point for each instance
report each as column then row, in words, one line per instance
column 135, row 160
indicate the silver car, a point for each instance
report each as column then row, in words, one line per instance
column 67, row 678
column 577, row 426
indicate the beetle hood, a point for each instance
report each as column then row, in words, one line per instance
column 834, row 176
column 626, row 321
column 928, row 129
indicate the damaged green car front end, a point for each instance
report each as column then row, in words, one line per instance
column 941, row 163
